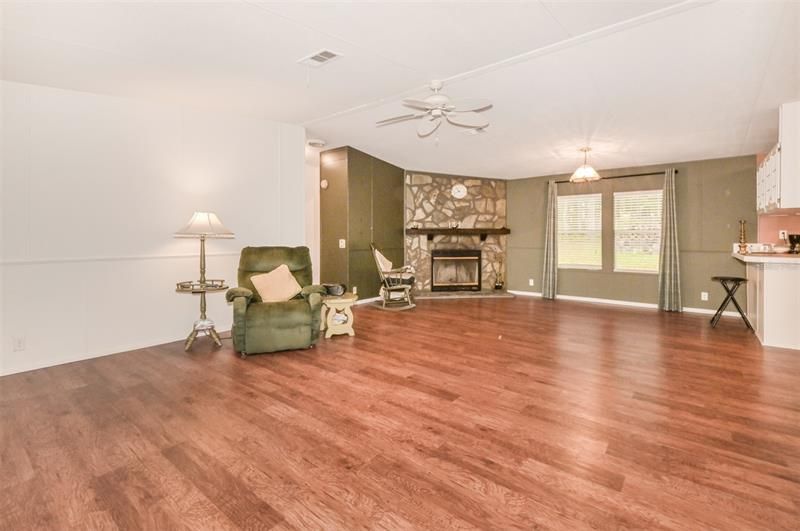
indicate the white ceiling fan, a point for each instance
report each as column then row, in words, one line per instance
column 461, row 112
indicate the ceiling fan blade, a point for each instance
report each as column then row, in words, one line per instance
column 467, row 119
column 469, row 104
column 389, row 121
column 418, row 104
column 426, row 127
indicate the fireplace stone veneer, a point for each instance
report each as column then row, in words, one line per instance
column 429, row 203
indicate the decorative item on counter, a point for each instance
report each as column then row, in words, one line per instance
column 453, row 224
column 742, row 237
column 794, row 243
column 415, row 225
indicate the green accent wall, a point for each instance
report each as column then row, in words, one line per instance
column 711, row 196
column 362, row 204
column 333, row 216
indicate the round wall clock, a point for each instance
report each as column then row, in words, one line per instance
column 459, row 191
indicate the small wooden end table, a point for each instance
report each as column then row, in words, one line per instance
column 334, row 305
column 204, row 324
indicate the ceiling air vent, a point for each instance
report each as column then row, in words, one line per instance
column 319, row 58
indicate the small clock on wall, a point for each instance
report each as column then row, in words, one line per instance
column 459, row 191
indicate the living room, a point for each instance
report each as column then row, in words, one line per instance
column 400, row 265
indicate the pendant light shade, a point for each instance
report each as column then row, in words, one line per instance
column 585, row 173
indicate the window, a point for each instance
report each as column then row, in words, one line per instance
column 637, row 231
column 580, row 231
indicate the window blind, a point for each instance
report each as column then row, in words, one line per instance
column 580, row 231
column 637, row 230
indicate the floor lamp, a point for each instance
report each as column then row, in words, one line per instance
column 203, row 225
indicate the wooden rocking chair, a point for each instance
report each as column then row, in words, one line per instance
column 396, row 283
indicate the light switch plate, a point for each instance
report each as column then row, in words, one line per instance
column 342, row 243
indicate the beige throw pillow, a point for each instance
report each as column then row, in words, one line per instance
column 278, row 285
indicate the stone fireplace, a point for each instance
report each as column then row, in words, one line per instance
column 430, row 203
column 455, row 270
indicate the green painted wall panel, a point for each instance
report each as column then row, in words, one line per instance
column 364, row 205
column 333, row 216
column 711, row 195
column 387, row 205
column 359, row 168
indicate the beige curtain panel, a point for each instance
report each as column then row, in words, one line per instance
column 550, row 276
column 669, row 270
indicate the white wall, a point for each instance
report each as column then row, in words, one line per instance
column 93, row 188
column 312, row 207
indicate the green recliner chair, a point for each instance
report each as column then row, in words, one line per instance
column 272, row 326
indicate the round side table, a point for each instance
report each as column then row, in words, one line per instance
column 337, row 315
column 204, row 324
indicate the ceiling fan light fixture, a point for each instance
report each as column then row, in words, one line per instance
column 584, row 173
column 438, row 107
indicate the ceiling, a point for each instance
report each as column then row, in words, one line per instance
column 642, row 82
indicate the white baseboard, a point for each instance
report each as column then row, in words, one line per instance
column 615, row 302
column 526, row 293
column 367, row 301
column 706, row 311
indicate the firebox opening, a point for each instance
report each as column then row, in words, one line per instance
column 456, row 270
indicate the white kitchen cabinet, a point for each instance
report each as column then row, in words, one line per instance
column 778, row 175
column 768, row 181
column 773, row 297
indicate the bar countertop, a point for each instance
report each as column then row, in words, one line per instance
column 768, row 258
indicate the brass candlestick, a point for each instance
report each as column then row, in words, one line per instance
column 742, row 237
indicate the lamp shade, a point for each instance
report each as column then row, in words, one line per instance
column 204, row 224
column 583, row 174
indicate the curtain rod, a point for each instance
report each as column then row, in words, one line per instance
column 622, row 176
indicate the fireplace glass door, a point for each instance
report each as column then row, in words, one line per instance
column 455, row 270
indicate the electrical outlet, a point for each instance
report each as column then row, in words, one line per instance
column 18, row 344
column 703, row 295
column 342, row 243
column 355, row 290
column 530, row 282
column 783, row 234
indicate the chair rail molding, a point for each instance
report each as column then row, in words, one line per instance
column 57, row 260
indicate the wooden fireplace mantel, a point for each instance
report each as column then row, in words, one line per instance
column 430, row 232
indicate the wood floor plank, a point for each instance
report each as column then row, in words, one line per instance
column 472, row 414
column 133, row 501
column 224, row 490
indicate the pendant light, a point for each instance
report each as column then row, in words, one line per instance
column 584, row 173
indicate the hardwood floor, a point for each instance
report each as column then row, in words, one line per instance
column 488, row 414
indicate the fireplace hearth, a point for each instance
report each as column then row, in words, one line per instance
column 455, row 270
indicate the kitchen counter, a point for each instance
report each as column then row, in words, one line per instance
column 773, row 297
column 768, row 258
